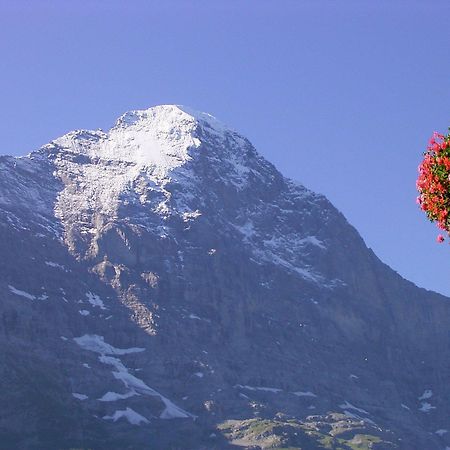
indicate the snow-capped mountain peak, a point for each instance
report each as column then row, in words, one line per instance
column 160, row 137
column 171, row 116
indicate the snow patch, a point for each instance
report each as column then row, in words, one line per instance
column 311, row 240
column 56, row 265
column 195, row 317
column 114, row 396
column 428, row 393
column 97, row 344
column 95, row 300
column 346, row 405
column 261, row 388
column 191, row 215
column 21, row 293
column 426, row 407
column 79, row 396
column 129, row 414
column 133, row 383
column 84, row 312
column 304, row 394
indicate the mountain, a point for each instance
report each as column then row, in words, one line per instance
column 163, row 286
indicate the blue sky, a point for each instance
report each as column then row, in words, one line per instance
column 341, row 96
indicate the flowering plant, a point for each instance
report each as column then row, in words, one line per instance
column 433, row 182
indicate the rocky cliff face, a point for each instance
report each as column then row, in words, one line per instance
column 162, row 286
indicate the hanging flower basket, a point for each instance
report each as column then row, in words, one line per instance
column 433, row 183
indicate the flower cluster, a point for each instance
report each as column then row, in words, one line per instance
column 433, row 182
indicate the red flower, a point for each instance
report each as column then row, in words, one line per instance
column 433, row 182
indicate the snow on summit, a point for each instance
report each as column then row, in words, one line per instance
column 159, row 137
column 136, row 159
column 141, row 150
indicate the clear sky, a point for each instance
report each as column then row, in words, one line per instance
column 340, row 95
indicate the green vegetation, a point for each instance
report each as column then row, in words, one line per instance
column 333, row 432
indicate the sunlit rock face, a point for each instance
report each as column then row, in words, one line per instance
column 163, row 286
